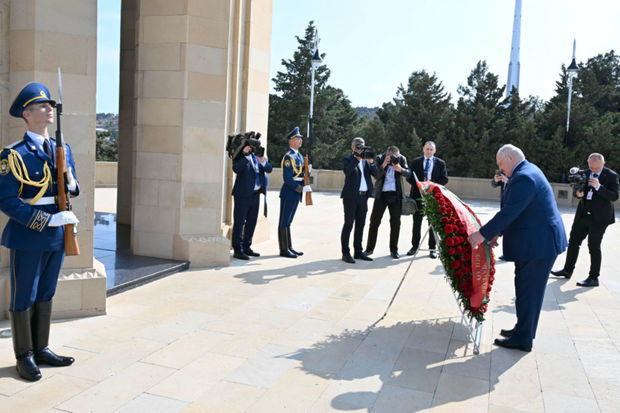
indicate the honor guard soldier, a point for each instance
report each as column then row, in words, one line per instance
column 35, row 231
column 290, row 194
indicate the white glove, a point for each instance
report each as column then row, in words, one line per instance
column 63, row 218
column 71, row 184
column 306, row 188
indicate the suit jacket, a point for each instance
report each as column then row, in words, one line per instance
column 292, row 175
column 602, row 203
column 398, row 176
column 439, row 174
column 353, row 176
column 246, row 177
column 28, row 227
column 529, row 221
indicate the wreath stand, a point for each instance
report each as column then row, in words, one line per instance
column 474, row 327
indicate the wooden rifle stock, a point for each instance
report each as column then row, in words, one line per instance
column 307, row 180
column 71, row 241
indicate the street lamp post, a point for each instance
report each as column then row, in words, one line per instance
column 316, row 62
column 572, row 70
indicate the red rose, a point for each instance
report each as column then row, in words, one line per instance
column 451, row 251
column 450, row 242
column 455, row 264
column 449, row 229
column 492, row 271
column 443, row 210
column 444, row 220
column 459, row 249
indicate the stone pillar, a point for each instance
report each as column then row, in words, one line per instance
column 42, row 36
column 194, row 84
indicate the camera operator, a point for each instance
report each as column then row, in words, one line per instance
column 388, row 194
column 250, row 183
column 357, row 168
column 595, row 212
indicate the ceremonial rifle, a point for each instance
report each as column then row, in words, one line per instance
column 71, row 241
column 306, row 166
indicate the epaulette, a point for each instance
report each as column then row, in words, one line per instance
column 14, row 144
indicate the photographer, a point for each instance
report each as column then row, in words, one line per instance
column 389, row 194
column 595, row 212
column 250, row 183
column 357, row 168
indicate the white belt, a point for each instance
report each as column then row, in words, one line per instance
column 298, row 179
column 46, row 200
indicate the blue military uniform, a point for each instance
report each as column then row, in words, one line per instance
column 290, row 195
column 28, row 190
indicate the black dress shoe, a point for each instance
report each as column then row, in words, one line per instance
column 287, row 254
column 507, row 333
column 299, row 253
column 395, row 255
column 368, row 252
column 241, row 256
column 433, row 254
column 561, row 273
column 348, row 258
column 27, row 368
column 47, row 356
column 362, row 256
column 251, row 252
column 506, row 343
column 412, row 251
column 588, row 282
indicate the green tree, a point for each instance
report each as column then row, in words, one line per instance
column 106, row 148
column 334, row 118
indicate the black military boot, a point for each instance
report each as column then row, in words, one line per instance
column 288, row 242
column 284, row 252
column 22, row 345
column 41, row 319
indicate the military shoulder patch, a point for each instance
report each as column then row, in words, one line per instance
column 4, row 167
column 287, row 163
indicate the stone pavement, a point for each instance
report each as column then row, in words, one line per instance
column 276, row 334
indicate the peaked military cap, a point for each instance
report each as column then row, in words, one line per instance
column 293, row 134
column 32, row 93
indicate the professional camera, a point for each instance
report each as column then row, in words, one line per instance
column 578, row 178
column 394, row 159
column 367, row 152
column 236, row 143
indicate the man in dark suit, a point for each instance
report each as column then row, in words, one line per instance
column 355, row 193
column 388, row 194
column 533, row 235
column 251, row 181
column 595, row 212
column 427, row 168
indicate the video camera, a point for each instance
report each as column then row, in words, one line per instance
column 236, row 143
column 578, row 178
column 367, row 152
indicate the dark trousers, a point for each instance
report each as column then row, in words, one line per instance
column 287, row 212
column 355, row 210
column 34, row 275
column 530, row 284
column 582, row 228
column 245, row 215
column 392, row 201
column 417, row 229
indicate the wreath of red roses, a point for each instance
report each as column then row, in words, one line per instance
column 455, row 251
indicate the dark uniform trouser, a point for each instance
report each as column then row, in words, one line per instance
column 355, row 210
column 34, row 275
column 389, row 200
column 245, row 216
column 530, row 284
column 417, row 230
column 582, row 228
column 287, row 212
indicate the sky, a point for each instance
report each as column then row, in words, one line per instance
column 373, row 46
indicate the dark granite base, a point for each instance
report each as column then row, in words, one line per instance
column 125, row 270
